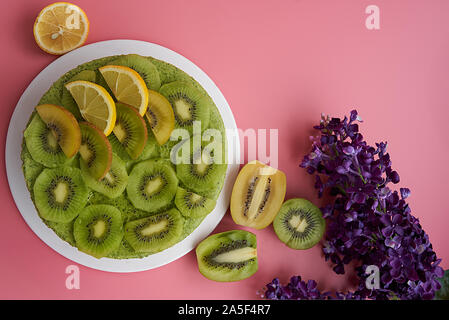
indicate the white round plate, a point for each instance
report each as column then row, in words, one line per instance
column 31, row 97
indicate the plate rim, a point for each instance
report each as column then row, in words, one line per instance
column 13, row 162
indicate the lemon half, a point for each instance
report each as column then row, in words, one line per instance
column 61, row 27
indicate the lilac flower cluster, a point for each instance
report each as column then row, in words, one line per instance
column 368, row 222
column 296, row 289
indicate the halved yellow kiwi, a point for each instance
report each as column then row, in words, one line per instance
column 63, row 126
column 160, row 116
column 257, row 195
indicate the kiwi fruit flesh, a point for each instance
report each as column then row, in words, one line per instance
column 43, row 145
column 60, row 194
column 114, row 182
column 188, row 105
column 160, row 116
column 193, row 205
column 95, row 151
column 98, row 230
column 63, row 126
column 67, row 100
column 143, row 67
column 152, row 185
column 130, row 130
column 257, row 195
column 155, row 233
column 228, row 256
column 299, row 224
column 204, row 167
column 150, row 150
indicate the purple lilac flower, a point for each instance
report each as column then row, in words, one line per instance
column 296, row 289
column 367, row 221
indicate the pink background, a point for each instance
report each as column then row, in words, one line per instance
column 279, row 65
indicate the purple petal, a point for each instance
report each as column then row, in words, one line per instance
column 394, row 176
column 353, row 115
column 405, row 193
column 360, row 198
column 349, row 150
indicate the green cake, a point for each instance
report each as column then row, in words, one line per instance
column 116, row 223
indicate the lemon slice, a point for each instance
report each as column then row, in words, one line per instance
column 95, row 103
column 127, row 86
column 60, row 27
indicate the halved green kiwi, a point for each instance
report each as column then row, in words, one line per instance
column 193, row 205
column 152, row 184
column 299, row 224
column 228, row 256
column 95, row 150
column 98, row 230
column 155, row 233
column 43, row 144
column 143, row 67
column 114, row 182
column 130, row 130
column 189, row 105
column 67, row 100
column 60, row 194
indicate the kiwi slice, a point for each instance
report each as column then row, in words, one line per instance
column 228, row 256
column 67, row 100
column 60, row 194
column 130, row 130
column 63, row 126
column 114, row 182
column 204, row 168
column 95, row 151
column 143, row 67
column 188, row 105
column 193, row 205
column 160, row 116
column 152, row 184
column 257, row 195
column 43, row 144
column 155, row 233
column 98, row 230
column 299, row 224
column 149, row 151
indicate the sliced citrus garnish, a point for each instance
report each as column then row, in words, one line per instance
column 127, row 86
column 60, row 27
column 95, row 103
